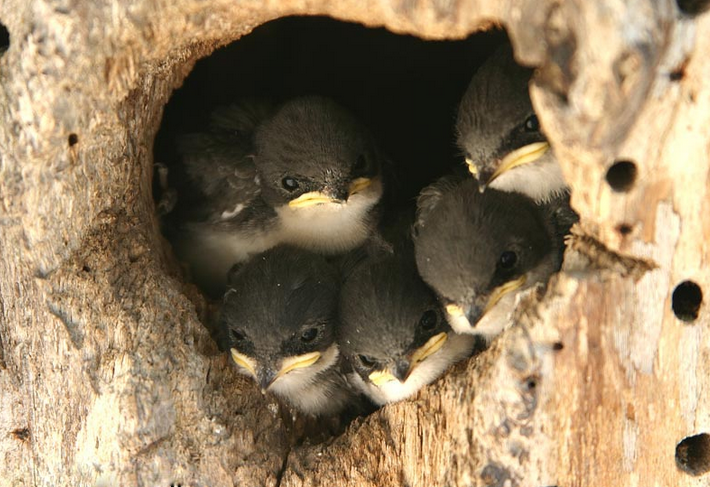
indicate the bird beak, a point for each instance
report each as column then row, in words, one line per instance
column 359, row 185
column 401, row 370
column 502, row 290
column 472, row 168
column 297, row 362
column 431, row 346
column 311, row 199
column 381, row 377
column 265, row 378
column 244, row 362
column 463, row 321
column 524, row 155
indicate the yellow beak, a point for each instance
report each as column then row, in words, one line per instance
column 381, row 377
column 243, row 361
column 359, row 184
column 430, row 347
column 502, row 290
column 472, row 168
column 298, row 362
column 454, row 310
column 311, row 199
column 518, row 157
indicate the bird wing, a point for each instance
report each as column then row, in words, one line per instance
column 218, row 163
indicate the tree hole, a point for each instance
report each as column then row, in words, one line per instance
column 4, row 39
column 693, row 7
column 692, row 455
column 621, row 176
column 624, row 229
column 73, row 139
column 686, row 301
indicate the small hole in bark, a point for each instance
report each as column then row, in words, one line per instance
column 621, row 176
column 692, row 455
column 531, row 384
column 693, row 7
column 22, row 434
column 73, row 140
column 624, row 229
column 4, row 39
column 686, row 301
column 557, row 346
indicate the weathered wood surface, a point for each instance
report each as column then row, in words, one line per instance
column 107, row 376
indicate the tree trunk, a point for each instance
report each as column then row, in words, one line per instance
column 107, row 376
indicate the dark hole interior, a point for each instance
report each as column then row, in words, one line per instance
column 693, row 7
column 692, row 455
column 686, row 301
column 621, row 176
column 4, row 39
column 405, row 89
column 73, row 139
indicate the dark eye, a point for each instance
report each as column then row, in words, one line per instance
column 289, row 183
column 367, row 362
column 532, row 124
column 307, row 336
column 360, row 166
column 238, row 336
column 428, row 320
column 507, row 260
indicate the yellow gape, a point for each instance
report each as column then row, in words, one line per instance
column 359, row 184
column 298, row 362
column 311, row 199
column 518, row 157
column 243, row 361
column 502, row 290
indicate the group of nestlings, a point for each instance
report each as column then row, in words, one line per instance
column 327, row 297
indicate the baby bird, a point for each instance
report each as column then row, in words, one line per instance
column 500, row 136
column 478, row 250
column 278, row 321
column 306, row 173
column 392, row 329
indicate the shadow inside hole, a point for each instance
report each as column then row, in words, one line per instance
column 73, row 139
column 621, row 176
column 4, row 39
column 693, row 7
column 404, row 89
column 686, row 300
column 692, row 455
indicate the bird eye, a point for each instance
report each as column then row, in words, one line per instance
column 238, row 336
column 507, row 260
column 532, row 124
column 367, row 362
column 289, row 183
column 307, row 336
column 428, row 320
column 360, row 166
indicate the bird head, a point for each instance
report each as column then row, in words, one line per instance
column 475, row 249
column 278, row 316
column 497, row 128
column 312, row 152
column 390, row 321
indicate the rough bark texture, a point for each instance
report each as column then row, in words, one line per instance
column 107, row 376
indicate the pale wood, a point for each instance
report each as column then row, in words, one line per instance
column 107, row 376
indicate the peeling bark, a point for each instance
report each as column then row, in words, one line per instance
column 107, row 376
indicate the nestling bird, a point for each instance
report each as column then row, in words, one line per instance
column 278, row 322
column 478, row 250
column 306, row 173
column 392, row 329
column 500, row 136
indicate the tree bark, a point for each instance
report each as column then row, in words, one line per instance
column 107, row 376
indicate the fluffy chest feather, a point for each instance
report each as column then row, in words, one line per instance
column 331, row 227
column 315, row 390
column 541, row 180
